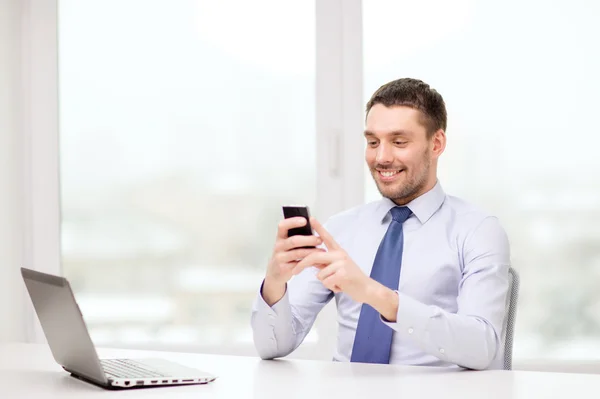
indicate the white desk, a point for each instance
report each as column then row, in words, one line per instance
column 29, row 371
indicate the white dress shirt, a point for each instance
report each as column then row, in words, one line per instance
column 453, row 287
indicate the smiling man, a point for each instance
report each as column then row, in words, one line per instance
column 419, row 277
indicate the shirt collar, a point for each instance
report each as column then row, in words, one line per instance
column 423, row 207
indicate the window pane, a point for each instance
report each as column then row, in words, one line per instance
column 519, row 79
column 185, row 125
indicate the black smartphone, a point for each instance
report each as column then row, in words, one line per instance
column 290, row 211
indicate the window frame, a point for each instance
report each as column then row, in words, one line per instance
column 40, row 132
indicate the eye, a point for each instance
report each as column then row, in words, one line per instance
column 400, row 143
column 371, row 143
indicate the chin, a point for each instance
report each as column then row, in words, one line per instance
column 389, row 191
column 395, row 191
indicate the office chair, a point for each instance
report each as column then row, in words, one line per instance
column 513, row 298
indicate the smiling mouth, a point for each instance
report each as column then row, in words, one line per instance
column 388, row 174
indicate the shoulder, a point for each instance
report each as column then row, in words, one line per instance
column 477, row 230
column 351, row 218
column 468, row 215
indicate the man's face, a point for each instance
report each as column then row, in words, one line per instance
column 402, row 160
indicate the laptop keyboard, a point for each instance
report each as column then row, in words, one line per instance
column 124, row 368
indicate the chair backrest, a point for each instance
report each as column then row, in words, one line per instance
column 513, row 298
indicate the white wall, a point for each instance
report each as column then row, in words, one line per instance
column 12, row 304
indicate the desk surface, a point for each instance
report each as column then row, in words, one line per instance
column 29, row 371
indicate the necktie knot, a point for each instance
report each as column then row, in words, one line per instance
column 400, row 213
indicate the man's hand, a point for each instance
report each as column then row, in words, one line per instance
column 339, row 273
column 287, row 253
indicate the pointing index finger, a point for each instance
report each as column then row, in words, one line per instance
column 324, row 234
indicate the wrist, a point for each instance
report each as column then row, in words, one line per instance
column 274, row 281
column 372, row 292
column 383, row 299
column 273, row 290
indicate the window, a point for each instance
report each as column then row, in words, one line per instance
column 519, row 80
column 180, row 139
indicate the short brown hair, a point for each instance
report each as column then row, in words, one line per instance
column 416, row 94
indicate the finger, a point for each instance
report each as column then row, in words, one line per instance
column 328, row 270
column 331, row 283
column 286, row 224
column 288, row 267
column 316, row 258
column 324, row 234
column 281, row 259
column 298, row 254
column 299, row 241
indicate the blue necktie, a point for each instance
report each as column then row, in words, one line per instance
column 373, row 339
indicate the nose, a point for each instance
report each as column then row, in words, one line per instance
column 384, row 154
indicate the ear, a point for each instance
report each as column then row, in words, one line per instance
column 438, row 141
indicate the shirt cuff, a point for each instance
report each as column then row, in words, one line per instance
column 412, row 317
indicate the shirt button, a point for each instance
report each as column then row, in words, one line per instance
column 410, row 330
column 442, row 351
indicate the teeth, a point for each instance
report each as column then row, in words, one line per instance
column 388, row 174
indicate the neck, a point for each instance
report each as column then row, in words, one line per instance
column 425, row 189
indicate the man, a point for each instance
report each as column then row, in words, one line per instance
column 419, row 277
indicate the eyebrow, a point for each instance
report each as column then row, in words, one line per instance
column 393, row 134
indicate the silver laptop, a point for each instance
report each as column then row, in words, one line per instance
column 72, row 347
